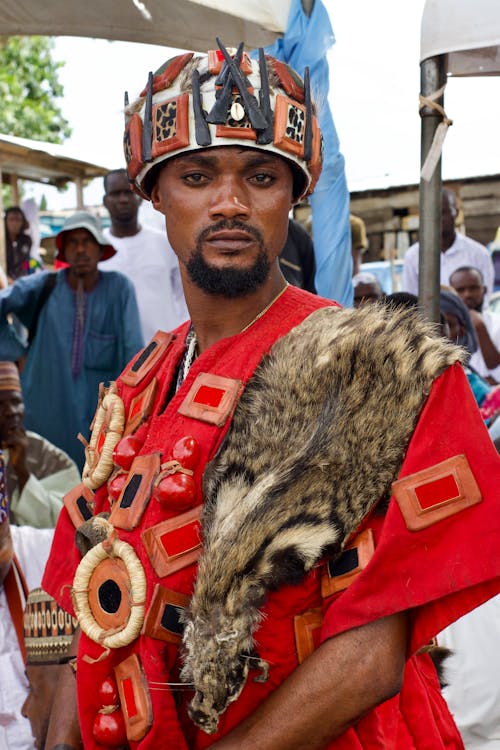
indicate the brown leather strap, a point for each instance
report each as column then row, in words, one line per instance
column 13, row 585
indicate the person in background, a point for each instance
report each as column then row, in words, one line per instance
column 296, row 260
column 456, row 250
column 144, row 256
column 48, row 634
column 468, row 283
column 359, row 242
column 83, row 327
column 20, row 261
column 38, row 473
column 367, row 289
column 23, row 553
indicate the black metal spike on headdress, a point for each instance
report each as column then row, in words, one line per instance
column 257, row 119
column 125, row 105
column 267, row 135
column 218, row 113
column 201, row 129
column 308, row 133
column 147, row 128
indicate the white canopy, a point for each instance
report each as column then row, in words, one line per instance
column 467, row 31
column 184, row 24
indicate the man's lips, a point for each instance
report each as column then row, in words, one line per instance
column 230, row 239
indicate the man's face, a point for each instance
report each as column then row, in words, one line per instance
column 11, row 414
column 119, row 199
column 226, row 212
column 469, row 286
column 42, row 685
column 82, row 252
column 455, row 328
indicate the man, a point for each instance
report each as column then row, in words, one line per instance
column 145, row 256
column 48, row 635
column 286, row 644
column 23, row 553
column 367, row 288
column 456, row 250
column 359, row 242
column 297, row 261
column 38, row 473
column 468, row 283
column 83, row 325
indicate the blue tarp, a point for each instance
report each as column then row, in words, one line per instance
column 306, row 42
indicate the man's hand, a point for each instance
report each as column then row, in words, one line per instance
column 332, row 689
column 16, row 442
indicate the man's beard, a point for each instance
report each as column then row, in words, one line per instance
column 228, row 282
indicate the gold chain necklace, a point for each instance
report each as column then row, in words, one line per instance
column 263, row 312
column 192, row 342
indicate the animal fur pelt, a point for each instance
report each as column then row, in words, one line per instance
column 317, row 438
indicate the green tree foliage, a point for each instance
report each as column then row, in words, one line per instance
column 29, row 90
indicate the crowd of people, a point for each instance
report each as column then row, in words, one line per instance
column 232, row 514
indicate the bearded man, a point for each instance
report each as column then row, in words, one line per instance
column 291, row 511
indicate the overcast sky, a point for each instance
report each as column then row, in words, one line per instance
column 374, row 87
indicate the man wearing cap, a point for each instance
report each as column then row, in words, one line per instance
column 288, row 528
column 143, row 255
column 48, row 635
column 83, row 326
column 38, row 473
column 23, row 553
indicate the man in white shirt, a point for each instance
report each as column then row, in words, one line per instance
column 143, row 255
column 456, row 250
column 468, row 283
column 31, row 548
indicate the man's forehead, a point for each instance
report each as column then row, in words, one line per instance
column 9, row 395
column 470, row 277
column 219, row 155
column 118, row 180
column 80, row 232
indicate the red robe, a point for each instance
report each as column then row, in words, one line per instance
column 438, row 573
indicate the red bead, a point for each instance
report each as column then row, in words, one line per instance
column 109, row 729
column 116, row 485
column 108, row 692
column 125, row 451
column 176, row 492
column 187, row 452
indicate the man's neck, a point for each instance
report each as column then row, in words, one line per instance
column 447, row 241
column 125, row 229
column 215, row 317
column 89, row 280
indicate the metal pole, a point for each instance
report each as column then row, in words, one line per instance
column 432, row 77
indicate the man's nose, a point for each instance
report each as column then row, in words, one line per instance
column 230, row 200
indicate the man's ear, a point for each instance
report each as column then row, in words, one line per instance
column 155, row 197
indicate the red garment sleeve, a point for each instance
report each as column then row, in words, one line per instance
column 63, row 561
column 443, row 571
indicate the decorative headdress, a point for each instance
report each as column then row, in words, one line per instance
column 223, row 98
column 48, row 630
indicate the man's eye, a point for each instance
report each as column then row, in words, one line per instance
column 194, row 178
column 263, row 178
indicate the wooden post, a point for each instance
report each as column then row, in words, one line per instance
column 14, row 186
column 79, row 193
column 3, row 247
